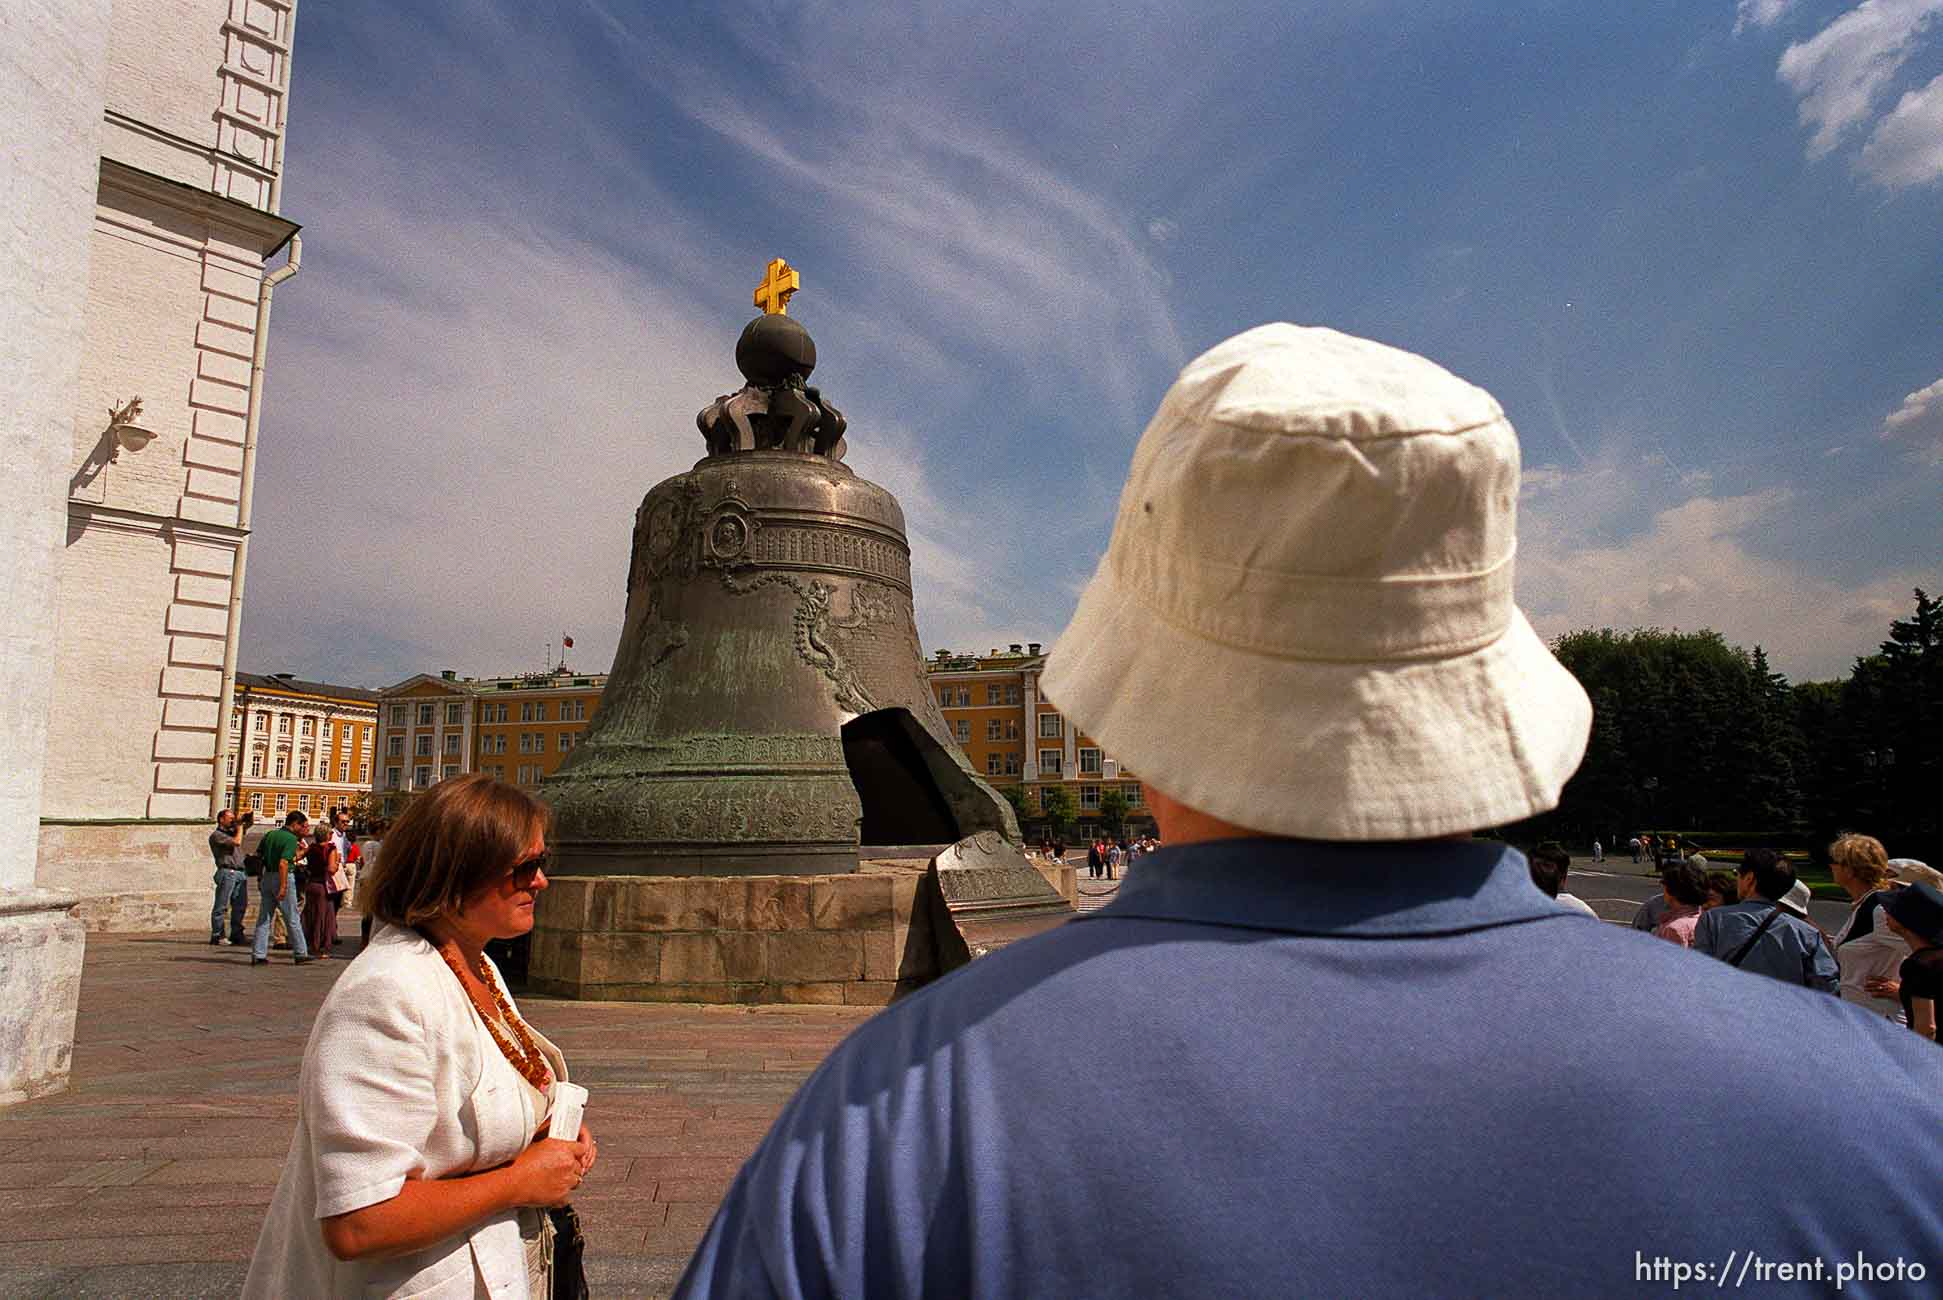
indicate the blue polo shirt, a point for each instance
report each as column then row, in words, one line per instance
column 1277, row 1067
column 1789, row 949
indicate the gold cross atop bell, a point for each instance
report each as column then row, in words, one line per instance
column 778, row 282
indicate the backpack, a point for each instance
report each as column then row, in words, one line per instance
column 253, row 863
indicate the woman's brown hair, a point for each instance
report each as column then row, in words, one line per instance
column 460, row 834
column 1864, row 857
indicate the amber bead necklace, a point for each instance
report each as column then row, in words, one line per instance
column 524, row 1056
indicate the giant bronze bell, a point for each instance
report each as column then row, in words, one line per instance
column 767, row 710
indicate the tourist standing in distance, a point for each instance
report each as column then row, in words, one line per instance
column 1370, row 1037
column 415, row 1170
column 281, row 851
column 1651, row 911
column 345, row 841
column 320, row 914
column 1549, row 864
column 368, row 851
column 1685, row 891
column 232, row 886
column 1760, row 933
column 1915, row 912
column 1720, row 889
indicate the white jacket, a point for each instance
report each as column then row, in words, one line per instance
column 399, row 1077
column 1865, row 956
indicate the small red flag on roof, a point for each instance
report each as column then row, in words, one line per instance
column 566, row 641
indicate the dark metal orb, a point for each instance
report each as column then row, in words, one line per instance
column 772, row 348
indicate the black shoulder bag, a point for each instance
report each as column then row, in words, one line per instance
column 1740, row 953
column 569, row 1255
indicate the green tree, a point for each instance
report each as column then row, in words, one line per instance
column 1113, row 810
column 366, row 807
column 1015, row 795
column 1056, row 802
column 1873, row 738
column 1687, row 732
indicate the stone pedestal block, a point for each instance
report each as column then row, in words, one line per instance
column 145, row 876
column 855, row 939
column 40, row 987
column 1063, row 878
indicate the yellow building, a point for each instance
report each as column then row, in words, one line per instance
column 298, row 745
column 1015, row 737
column 518, row 729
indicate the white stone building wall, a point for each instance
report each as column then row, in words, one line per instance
column 53, row 66
column 191, row 112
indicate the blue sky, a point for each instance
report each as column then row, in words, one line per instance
column 1692, row 247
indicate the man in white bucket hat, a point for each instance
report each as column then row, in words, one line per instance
column 1351, row 1050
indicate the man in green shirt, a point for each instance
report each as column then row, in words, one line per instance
column 281, row 852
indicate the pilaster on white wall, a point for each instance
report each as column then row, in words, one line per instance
column 256, row 78
column 1070, row 762
column 186, row 745
column 1029, row 767
column 467, row 759
column 197, row 91
column 53, row 71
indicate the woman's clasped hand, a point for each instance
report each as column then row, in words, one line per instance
column 550, row 1169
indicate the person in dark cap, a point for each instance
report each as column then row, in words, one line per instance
column 1355, row 1049
column 1915, row 912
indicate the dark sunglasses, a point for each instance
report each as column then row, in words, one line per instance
column 524, row 873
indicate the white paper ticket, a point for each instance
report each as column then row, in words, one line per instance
column 569, row 1103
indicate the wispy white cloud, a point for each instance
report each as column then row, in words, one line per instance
column 480, row 377
column 462, row 416
column 525, row 273
column 1760, row 13
column 1906, row 148
column 1918, row 423
column 1843, row 70
column 949, row 550
column 1001, row 250
column 1596, row 551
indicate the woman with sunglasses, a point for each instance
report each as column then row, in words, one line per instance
column 420, row 1165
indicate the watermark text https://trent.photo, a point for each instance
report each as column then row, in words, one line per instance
column 1739, row 1268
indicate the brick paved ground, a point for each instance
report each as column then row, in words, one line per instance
column 150, row 1175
